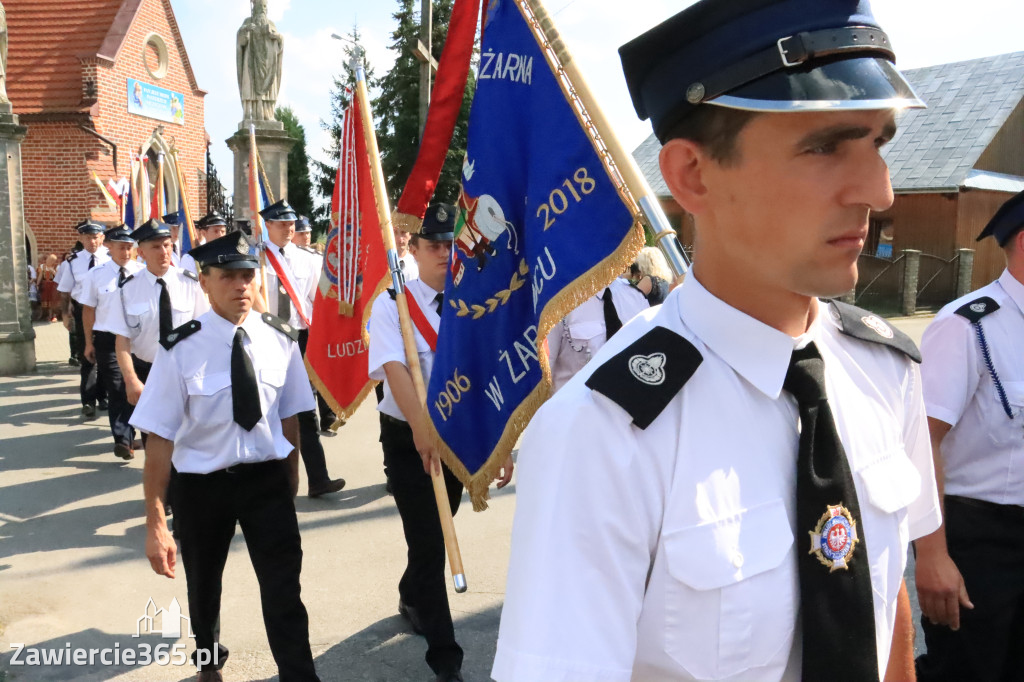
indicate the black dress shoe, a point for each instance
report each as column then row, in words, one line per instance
column 123, row 451
column 449, row 676
column 327, row 487
column 89, row 411
column 413, row 616
column 103, row 405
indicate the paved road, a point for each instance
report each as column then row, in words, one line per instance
column 72, row 569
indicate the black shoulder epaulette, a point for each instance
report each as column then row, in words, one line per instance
column 392, row 294
column 125, row 280
column 310, row 249
column 281, row 326
column 183, row 332
column 977, row 309
column 866, row 326
column 643, row 378
column 71, row 256
column 189, row 273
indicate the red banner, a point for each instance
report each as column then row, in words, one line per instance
column 355, row 272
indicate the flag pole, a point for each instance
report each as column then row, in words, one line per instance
column 257, row 231
column 412, row 357
column 600, row 131
column 161, row 205
column 183, row 194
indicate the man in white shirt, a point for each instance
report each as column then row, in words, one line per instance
column 69, row 285
column 224, row 392
column 727, row 491
column 970, row 572
column 581, row 333
column 172, row 221
column 211, row 226
column 101, row 312
column 302, row 270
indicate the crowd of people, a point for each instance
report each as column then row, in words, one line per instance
column 727, row 481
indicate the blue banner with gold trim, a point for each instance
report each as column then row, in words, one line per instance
column 541, row 228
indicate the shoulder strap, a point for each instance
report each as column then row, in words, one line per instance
column 183, row 332
column 645, row 377
column 977, row 309
column 124, row 280
column 866, row 326
column 188, row 273
column 281, row 326
column 418, row 319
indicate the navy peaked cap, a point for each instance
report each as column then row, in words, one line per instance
column 230, row 252
column 121, row 233
column 89, row 227
column 280, row 210
column 151, row 229
column 1007, row 220
column 211, row 219
column 302, row 224
column 171, row 218
column 763, row 55
column 439, row 223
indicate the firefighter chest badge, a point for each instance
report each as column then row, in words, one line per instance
column 834, row 538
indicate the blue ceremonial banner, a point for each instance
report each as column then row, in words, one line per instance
column 541, row 228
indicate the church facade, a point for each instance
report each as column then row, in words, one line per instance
column 105, row 88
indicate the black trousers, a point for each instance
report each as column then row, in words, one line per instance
column 422, row 586
column 258, row 497
column 89, row 388
column 986, row 541
column 109, row 375
column 142, row 372
column 310, row 447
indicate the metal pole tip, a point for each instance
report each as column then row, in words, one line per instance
column 460, row 582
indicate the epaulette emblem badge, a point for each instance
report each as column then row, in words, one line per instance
column 172, row 337
column 834, row 538
column 649, row 369
column 978, row 307
column 878, row 325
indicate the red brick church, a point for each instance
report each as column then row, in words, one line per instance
column 99, row 83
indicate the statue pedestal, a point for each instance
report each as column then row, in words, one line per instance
column 17, row 338
column 273, row 144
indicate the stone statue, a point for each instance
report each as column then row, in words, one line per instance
column 258, row 56
column 3, row 55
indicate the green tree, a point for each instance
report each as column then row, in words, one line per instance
column 299, row 185
column 397, row 105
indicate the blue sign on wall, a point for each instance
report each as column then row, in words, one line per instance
column 155, row 102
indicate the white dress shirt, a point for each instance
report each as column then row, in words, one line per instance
column 99, row 291
column 386, row 339
column 140, row 308
column 189, row 263
column 670, row 553
column 585, row 330
column 188, row 396
column 70, row 281
column 983, row 454
column 410, row 268
column 303, row 271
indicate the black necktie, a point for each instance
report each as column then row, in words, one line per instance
column 284, row 304
column 835, row 577
column 92, row 262
column 612, row 323
column 166, row 321
column 120, row 275
column 439, row 300
column 245, row 394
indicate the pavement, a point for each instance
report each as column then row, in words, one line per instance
column 73, row 573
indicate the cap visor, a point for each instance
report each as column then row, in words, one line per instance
column 438, row 236
column 862, row 83
column 240, row 264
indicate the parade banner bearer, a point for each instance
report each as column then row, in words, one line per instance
column 728, row 490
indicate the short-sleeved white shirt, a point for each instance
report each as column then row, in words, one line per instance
column 140, row 308
column 410, row 268
column 99, row 291
column 386, row 339
column 303, row 271
column 78, row 267
column 188, row 395
column 670, row 553
column 983, row 454
column 585, row 329
column 189, row 263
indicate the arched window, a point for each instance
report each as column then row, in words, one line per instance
column 151, row 154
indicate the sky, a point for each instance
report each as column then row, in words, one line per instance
column 923, row 32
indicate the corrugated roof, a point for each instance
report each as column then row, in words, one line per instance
column 934, row 148
column 47, row 39
column 968, row 102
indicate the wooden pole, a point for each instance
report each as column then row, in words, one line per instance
column 600, row 130
column 257, row 230
column 412, row 357
column 183, row 194
column 161, row 204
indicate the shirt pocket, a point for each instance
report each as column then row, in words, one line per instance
column 209, row 397
column 135, row 313
column 891, row 483
column 1006, row 431
column 271, row 384
column 731, row 596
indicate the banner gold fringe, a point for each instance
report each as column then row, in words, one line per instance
column 405, row 222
